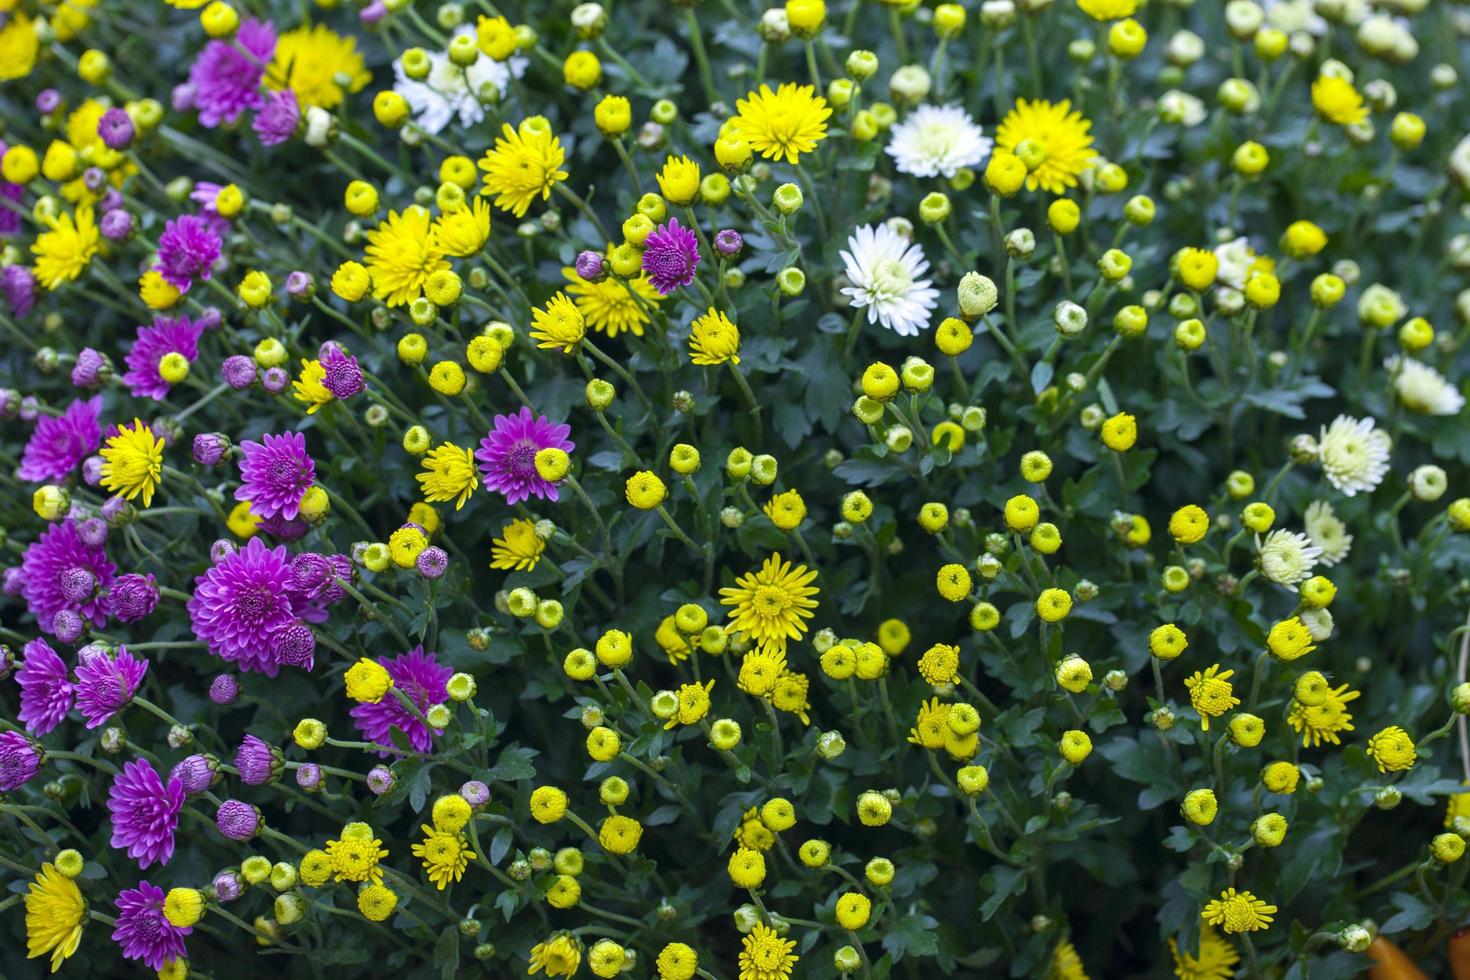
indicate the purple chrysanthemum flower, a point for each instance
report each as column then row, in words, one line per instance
column 105, row 685
column 314, row 578
column 196, row 773
column 50, row 568
column 422, row 678
column 116, row 225
column 60, row 442
column 166, row 335
column 9, row 218
column 294, row 646
column 145, row 813
column 224, row 689
column 211, row 448
column 476, row 793
column 285, row 530
column 274, row 473
column 131, row 597
column 277, row 119
column 275, row 379
column 67, row 626
column 380, row 780
column 187, row 249
column 115, row 129
column 46, row 690
column 508, row 455
column 19, row 287
column 344, row 376
column 237, row 820
column 728, row 242
column 143, row 931
column 242, row 600
column 432, row 562
column 258, row 762
column 20, row 759
column 238, row 371
column 226, row 76
column 670, row 256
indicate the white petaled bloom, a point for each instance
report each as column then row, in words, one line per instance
column 1353, row 454
column 1181, row 109
column 936, row 141
column 449, row 91
column 1423, row 389
column 1327, row 532
column 1286, row 558
column 1291, row 16
column 1428, row 483
column 1318, row 623
column 884, row 269
column 1235, row 261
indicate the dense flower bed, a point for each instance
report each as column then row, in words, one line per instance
column 690, row 489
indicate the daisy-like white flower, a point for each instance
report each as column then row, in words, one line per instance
column 884, row 269
column 449, row 91
column 1236, row 258
column 1292, row 16
column 1354, row 454
column 1286, row 557
column 1423, row 389
column 1327, row 532
column 935, row 141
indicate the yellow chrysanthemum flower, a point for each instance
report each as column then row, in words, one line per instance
column 1238, row 911
column 132, row 462
column 1393, row 749
column 18, row 46
column 1337, row 101
column 525, row 164
column 765, row 955
column 559, row 956
column 1215, row 960
column 1108, row 9
column 445, row 854
column 156, row 292
column 401, row 255
column 55, row 911
column 449, row 474
column 311, row 60
column 559, row 325
column 1065, row 963
column 613, row 305
column 308, row 387
column 356, row 857
column 1211, row 693
column 518, row 548
column 773, row 604
column 1059, row 131
column 463, row 231
column 784, row 124
column 714, row 339
column 65, row 249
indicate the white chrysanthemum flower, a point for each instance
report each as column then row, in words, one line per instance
column 1353, row 454
column 1286, row 558
column 1179, row 108
column 1318, row 623
column 449, row 91
column 884, row 269
column 1423, row 389
column 935, row 141
column 1327, row 532
column 1291, row 16
column 1235, row 259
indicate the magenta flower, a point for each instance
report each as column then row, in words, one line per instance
column 61, row 571
column 225, row 78
column 344, row 376
column 145, row 813
column 275, row 472
column 20, row 759
column 187, row 250
column 106, row 685
column 420, row 676
column 196, row 773
column 258, row 762
column 19, row 287
column 131, row 597
column 60, row 442
column 143, row 931
column 237, row 820
column 670, row 257
column 46, row 691
column 166, row 335
column 277, row 119
column 508, row 455
column 240, row 603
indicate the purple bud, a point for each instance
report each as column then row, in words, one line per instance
column 228, row 886
column 12, row 581
column 237, row 820
column 30, row 408
column 275, row 380
column 132, row 597
column 373, row 13
column 258, row 762
column 309, row 776
column 211, row 448
column 7, row 661
column 93, row 531
column 116, row 225
column 78, row 585
column 380, row 780
column 238, row 371
column 198, row 773
column 287, row 530
column 209, row 318
column 19, row 287
column 9, row 397
column 116, row 129
column 115, row 510
column 94, row 178
column 67, row 625
column 48, row 100
column 293, row 645
column 728, row 242
column 92, row 369
column 110, row 200
column 476, row 793
column 221, row 549
column 167, row 429
column 182, row 97
column 590, row 266
column 432, row 562
column 224, row 689
column 21, row 758
column 343, row 374
column 299, row 285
